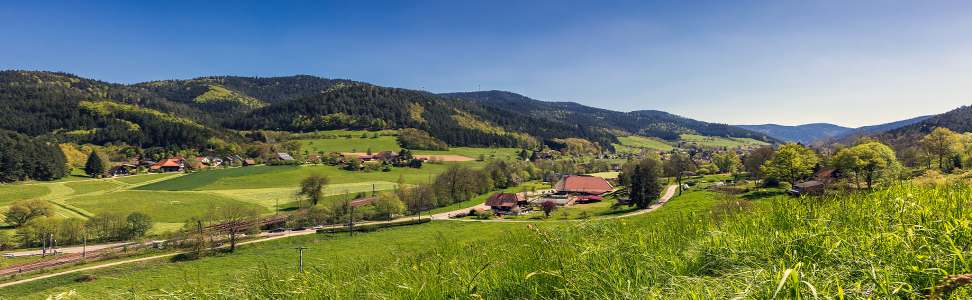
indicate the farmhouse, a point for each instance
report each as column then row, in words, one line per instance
column 583, row 185
column 503, row 203
column 123, row 169
column 175, row 164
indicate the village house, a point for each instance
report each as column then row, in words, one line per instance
column 506, row 203
column 175, row 164
column 123, row 170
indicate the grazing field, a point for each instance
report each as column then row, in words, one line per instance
column 475, row 153
column 145, row 177
column 268, row 197
column 10, row 193
column 715, row 141
column 171, row 207
column 89, row 186
column 352, row 144
column 636, row 143
column 606, row 175
column 289, row 176
column 892, row 243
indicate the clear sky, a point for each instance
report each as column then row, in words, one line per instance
column 789, row 62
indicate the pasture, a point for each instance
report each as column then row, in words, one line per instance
column 10, row 193
column 351, row 144
column 636, row 144
column 289, row 176
column 719, row 142
column 701, row 243
column 162, row 206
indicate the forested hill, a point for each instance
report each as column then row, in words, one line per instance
column 457, row 122
column 194, row 112
column 958, row 120
column 806, row 133
column 645, row 122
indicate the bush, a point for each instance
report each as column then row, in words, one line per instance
column 786, row 186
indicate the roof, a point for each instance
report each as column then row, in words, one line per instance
column 169, row 162
column 504, row 199
column 363, row 201
column 284, row 156
column 808, row 184
column 583, row 184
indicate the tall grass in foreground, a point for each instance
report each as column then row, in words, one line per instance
column 898, row 242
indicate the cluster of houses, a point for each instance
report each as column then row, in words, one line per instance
column 570, row 190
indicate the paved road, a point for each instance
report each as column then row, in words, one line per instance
column 669, row 193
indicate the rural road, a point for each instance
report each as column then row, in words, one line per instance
column 669, row 193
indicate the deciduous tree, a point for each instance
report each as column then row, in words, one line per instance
column 940, row 143
column 790, row 163
column 312, row 188
column 23, row 211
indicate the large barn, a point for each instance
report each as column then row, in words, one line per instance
column 583, row 185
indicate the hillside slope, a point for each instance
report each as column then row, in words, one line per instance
column 958, row 120
column 651, row 123
column 806, row 133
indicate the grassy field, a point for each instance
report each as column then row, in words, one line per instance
column 715, row 141
column 89, row 186
column 892, row 243
column 171, row 207
column 289, row 176
column 268, row 197
column 636, row 143
column 486, row 153
column 10, row 193
column 353, row 144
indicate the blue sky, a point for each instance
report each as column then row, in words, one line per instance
column 741, row 62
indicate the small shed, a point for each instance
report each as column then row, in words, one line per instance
column 812, row 187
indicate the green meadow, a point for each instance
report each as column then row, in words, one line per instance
column 10, row 193
column 256, row 177
column 636, row 144
column 352, row 144
column 162, row 206
column 715, row 141
column 701, row 244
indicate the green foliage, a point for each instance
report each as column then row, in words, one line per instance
column 642, row 183
column 312, row 187
column 791, row 162
column 420, row 140
column 21, row 212
column 868, row 161
column 727, row 162
column 23, row 158
column 96, row 165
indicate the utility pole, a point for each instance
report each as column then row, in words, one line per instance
column 300, row 259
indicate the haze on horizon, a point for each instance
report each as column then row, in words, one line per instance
column 752, row 62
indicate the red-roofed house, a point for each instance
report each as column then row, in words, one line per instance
column 175, row 164
column 583, row 184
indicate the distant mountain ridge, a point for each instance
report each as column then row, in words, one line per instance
column 805, row 134
column 194, row 112
column 643, row 122
column 824, row 132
